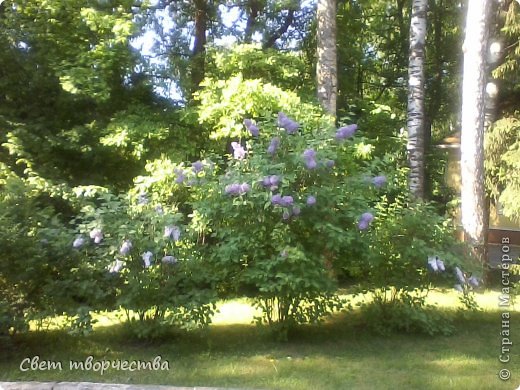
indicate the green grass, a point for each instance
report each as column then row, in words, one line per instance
column 339, row 354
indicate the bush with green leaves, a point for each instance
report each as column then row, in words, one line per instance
column 408, row 249
column 147, row 251
column 39, row 276
column 289, row 198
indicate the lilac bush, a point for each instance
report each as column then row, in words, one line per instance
column 279, row 213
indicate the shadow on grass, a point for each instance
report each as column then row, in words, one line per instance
column 340, row 354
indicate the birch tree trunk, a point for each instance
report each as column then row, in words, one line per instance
column 473, row 204
column 415, row 120
column 326, row 68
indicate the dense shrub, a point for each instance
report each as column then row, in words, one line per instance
column 287, row 201
column 39, row 275
column 147, row 251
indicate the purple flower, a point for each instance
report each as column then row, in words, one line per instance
column 276, row 199
column 78, row 242
column 271, row 182
column 126, row 247
column 346, row 132
column 473, row 281
column 311, row 163
column 275, row 142
column 253, row 129
column 460, row 275
column 432, row 262
column 365, row 220
column 286, row 215
column 436, row 264
column 147, row 258
column 330, row 163
column 180, row 175
column 244, row 188
column 296, row 210
column 169, row 260
column 458, row 287
column 290, row 126
column 117, row 266
column 311, row 200
column 238, row 151
column 237, row 189
column 440, row 265
column 159, row 210
column 309, row 154
column 97, row 235
column 172, row 232
column 286, row 201
column 232, row 189
column 379, row 181
column 197, row 166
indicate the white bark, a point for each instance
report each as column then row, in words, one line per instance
column 415, row 120
column 473, row 205
column 326, row 68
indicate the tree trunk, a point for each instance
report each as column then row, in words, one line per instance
column 473, row 204
column 415, row 120
column 326, row 68
column 198, row 55
column 253, row 8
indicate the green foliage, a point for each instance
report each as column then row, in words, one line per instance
column 502, row 146
column 172, row 287
column 282, row 256
column 86, row 45
column 39, row 275
column 286, row 70
column 225, row 103
column 394, row 310
column 394, row 268
column 142, row 133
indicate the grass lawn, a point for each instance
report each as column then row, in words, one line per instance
column 339, row 354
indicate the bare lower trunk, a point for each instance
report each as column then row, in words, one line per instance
column 473, row 202
column 416, row 119
column 326, row 68
column 198, row 59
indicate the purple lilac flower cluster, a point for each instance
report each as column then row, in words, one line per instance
column 464, row 280
column 290, row 126
column 237, row 189
column 273, row 145
column 197, row 167
column 309, row 155
column 97, row 235
column 365, row 220
column 239, row 152
column 180, row 175
column 379, row 181
column 271, row 182
column 436, row 264
column 287, row 202
column 346, row 132
column 253, row 129
column 173, row 232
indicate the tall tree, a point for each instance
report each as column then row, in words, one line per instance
column 416, row 118
column 326, row 68
column 473, row 204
